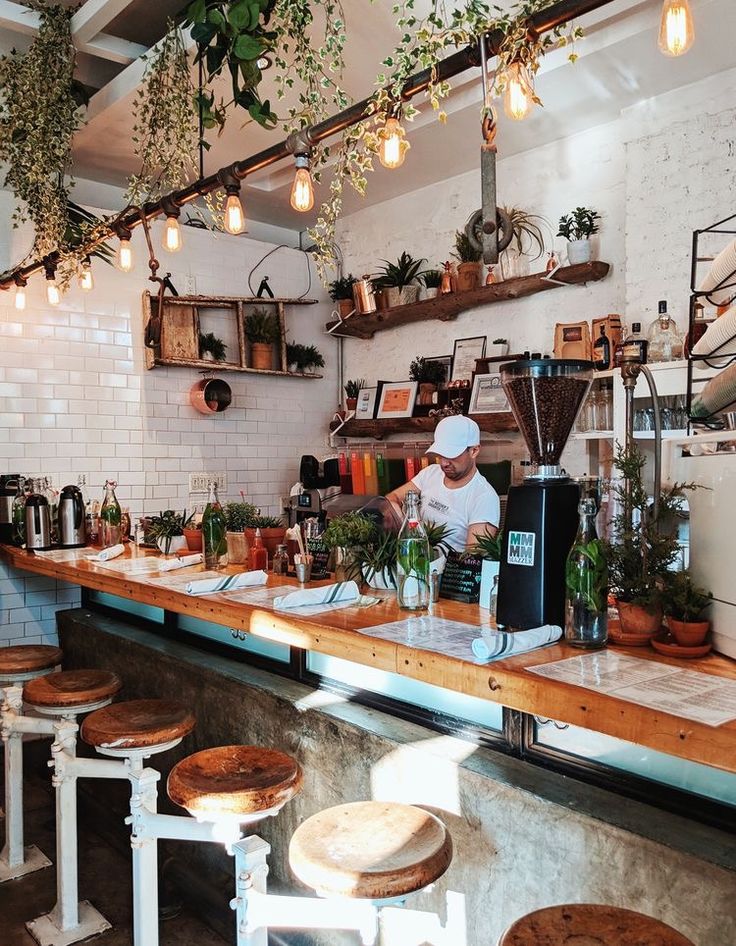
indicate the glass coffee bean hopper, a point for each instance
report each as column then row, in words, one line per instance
column 541, row 516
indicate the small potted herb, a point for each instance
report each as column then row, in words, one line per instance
column 192, row 531
column 684, row 604
column 303, row 357
column 263, row 332
column 397, row 280
column 487, row 547
column 375, row 561
column 527, row 243
column 341, row 292
column 211, row 348
column 167, row 531
column 432, row 279
column 577, row 227
column 352, row 390
column 238, row 516
column 343, row 536
column 429, row 375
column 500, row 347
column 469, row 267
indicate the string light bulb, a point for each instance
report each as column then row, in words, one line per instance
column 172, row 233
column 125, row 250
column 393, row 147
column 518, row 96
column 85, row 279
column 302, row 190
column 20, row 293
column 53, row 295
column 234, row 216
column 676, row 29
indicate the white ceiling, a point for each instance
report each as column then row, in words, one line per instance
column 619, row 65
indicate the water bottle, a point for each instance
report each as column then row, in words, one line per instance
column 412, row 559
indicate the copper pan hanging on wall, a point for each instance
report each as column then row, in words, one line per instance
column 210, row 396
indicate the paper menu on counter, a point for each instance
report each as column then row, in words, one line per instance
column 63, row 555
column 690, row 694
column 428, row 632
column 133, row 566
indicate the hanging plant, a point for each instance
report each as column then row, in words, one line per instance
column 40, row 103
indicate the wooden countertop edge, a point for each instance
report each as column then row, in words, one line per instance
column 507, row 682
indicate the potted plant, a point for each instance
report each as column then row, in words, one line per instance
column 352, row 389
column 343, row 536
column 500, row 347
column 469, row 266
column 303, row 357
column 432, row 280
column 684, row 604
column 263, row 333
column 273, row 532
column 487, row 547
column 192, row 531
column 341, row 292
column 211, row 348
column 642, row 550
column 527, row 243
column 396, row 280
column 429, row 374
column 167, row 531
column 375, row 561
column 238, row 516
column 577, row 228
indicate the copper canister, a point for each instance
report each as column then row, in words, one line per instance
column 365, row 299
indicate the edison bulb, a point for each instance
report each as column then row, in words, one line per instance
column 234, row 216
column 302, row 192
column 172, row 235
column 125, row 256
column 517, row 97
column 20, row 297
column 394, row 145
column 52, row 292
column 85, row 279
column 676, row 30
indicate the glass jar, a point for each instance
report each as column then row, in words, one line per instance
column 412, row 559
column 280, row 565
column 586, row 574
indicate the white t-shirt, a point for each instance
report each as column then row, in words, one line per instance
column 477, row 501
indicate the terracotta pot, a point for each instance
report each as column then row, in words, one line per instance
column 351, row 403
column 468, row 276
column 688, row 633
column 637, row 620
column 194, row 539
column 345, row 306
column 272, row 538
column 426, row 392
column 237, row 548
column 261, row 356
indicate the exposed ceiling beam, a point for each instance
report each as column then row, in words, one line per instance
column 93, row 16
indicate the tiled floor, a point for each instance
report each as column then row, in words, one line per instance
column 104, row 879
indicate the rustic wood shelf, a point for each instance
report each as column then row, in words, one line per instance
column 447, row 307
column 378, row 429
column 217, row 366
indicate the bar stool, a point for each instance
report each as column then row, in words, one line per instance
column 18, row 665
column 64, row 696
column 360, row 858
column 590, row 923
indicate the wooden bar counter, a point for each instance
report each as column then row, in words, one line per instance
column 506, row 682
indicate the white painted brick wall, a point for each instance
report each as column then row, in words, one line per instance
column 75, row 397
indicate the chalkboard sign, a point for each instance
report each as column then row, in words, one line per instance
column 461, row 578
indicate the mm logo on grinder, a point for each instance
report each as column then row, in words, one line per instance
column 521, row 548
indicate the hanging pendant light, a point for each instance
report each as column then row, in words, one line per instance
column 518, row 96
column 393, row 147
column 20, row 293
column 302, row 190
column 85, row 279
column 172, row 241
column 676, row 29
column 233, row 216
column 53, row 295
column 124, row 260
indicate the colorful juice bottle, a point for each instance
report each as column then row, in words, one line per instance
column 381, row 475
column 356, row 466
column 371, row 478
column 346, row 482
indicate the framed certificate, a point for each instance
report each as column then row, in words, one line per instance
column 464, row 357
column 397, row 399
column 365, row 409
column 487, row 396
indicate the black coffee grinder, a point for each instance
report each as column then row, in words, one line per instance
column 542, row 514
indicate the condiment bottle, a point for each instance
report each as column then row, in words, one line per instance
column 214, row 528
column 280, row 565
column 258, row 554
column 110, row 517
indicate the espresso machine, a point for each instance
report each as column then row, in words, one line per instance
column 318, row 485
column 542, row 514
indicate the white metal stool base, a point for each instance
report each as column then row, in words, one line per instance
column 33, row 860
column 46, row 933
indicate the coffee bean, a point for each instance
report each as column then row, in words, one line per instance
column 545, row 409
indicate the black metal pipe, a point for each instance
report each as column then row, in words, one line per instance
column 448, row 68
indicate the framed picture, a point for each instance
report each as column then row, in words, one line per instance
column 397, row 399
column 464, row 357
column 365, row 409
column 445, row 361
column 487, row 396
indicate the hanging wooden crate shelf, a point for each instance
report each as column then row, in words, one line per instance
column 447, row 307
column 378, row 429
column 184, row 317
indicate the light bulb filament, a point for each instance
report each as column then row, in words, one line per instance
column 517, row 102
column 677, row 30
column 302, row 190
column 172, row 235
column 125, row 255
column 393, row 147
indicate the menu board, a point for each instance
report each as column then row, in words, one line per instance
column 461, row 578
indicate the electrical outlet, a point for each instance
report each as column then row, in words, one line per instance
column 199, row 482
column 190, row 285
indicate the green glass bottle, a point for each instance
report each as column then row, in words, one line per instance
column 110, row 517
column 412, row 560
column 214, row 529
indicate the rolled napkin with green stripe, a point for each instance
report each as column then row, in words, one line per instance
column 344, row 592
column 211, row 586
column 494, row 645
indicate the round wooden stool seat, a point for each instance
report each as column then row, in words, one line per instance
column 234, row 780
column 69, row 688
column 28, row 658
column 590, row 924
column 370, row 850
column 137, row 724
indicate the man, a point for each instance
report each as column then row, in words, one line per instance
column 453, row 492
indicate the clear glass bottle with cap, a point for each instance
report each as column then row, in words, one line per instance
column 635, row 345
column 110, row 517
column 586, row 578
column 412, row 558
column 665, row 342
column 280, row 565
column 214, row 531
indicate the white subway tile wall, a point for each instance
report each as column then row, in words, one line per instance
column 77, row 398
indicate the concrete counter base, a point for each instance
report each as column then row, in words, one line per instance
column 524, row 838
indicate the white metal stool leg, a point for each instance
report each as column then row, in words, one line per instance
column 15, row 860
column 251, row 871
column 144, row 795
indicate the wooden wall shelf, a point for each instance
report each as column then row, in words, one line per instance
column 445, row 308
column 378, row 429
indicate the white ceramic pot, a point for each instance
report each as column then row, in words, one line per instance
column 500, row 351
column 177, row 543
column 431, row 293
column 408, row 294
column 380, row 581
column 579, row 251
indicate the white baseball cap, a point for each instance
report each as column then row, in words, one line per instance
column 453, row 435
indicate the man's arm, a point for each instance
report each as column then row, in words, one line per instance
column 397, row 496
column 476, row 529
